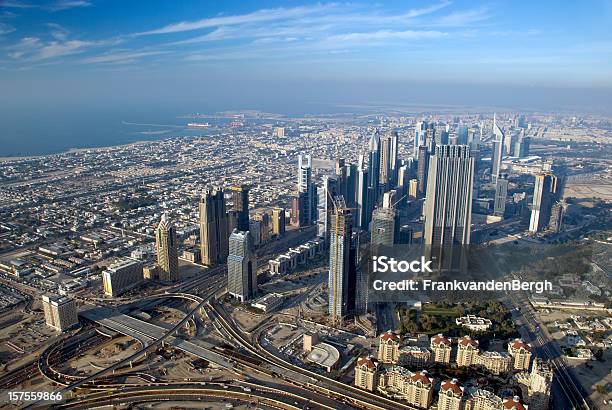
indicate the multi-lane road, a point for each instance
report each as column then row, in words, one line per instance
column 567, row 391
column 307, row 379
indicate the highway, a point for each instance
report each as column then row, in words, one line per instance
column 567, row 392
column 303, row 377
column 150, row 347
column 261, row 396
column 316, row 388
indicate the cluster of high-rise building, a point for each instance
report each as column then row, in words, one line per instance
column 366, row 197
column 227, row 235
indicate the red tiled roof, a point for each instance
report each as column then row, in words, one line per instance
column 468, row 341
column 440, row 339
column 518, row 343
column 513, row 403
column 452, row 385
column 389, row 335
column 422, row 377
column 370, row 362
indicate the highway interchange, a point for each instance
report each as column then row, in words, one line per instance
column 274, row 382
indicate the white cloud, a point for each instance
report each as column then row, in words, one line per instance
column 57, row 49
column 58, row 32
column 6, row 28
column 17, row 4
column 32, row 49
column 258, row 16
column 68, row 4
column 463, row 18
column 53, row 6
column 120, row 57
column 388, row 35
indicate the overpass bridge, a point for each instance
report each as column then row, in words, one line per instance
column 147, row 333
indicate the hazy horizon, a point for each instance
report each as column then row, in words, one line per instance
column 67, row 66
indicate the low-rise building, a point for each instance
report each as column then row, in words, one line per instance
column 324, row 355
column 192, row 254
column 150, row 272
column 269, row 303
column 474, row 323
column 309, row 340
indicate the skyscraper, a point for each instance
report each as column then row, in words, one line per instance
column 373, row 172
column 462, row 135
column 374, row 166
column 413, row 188
column 544, row 195
column 241, row 266
column 509, row 140
column 521, row 147
column 498, row 148
column 422, row 170
column 346, row 175
column 167, row 250
column 557, row 212
column 385, row 162
column 501, row 193
column 278, row 222
column 445, row 135
column 351, row 185
column 419, row 137
column 430, row 137
column 265, row 226
column 393, row 164
column 213, row 227
column 362, row 215
column 448, row 203
column 307, row 200
column 385, row 227
column 404, row 173
column 330, row 188
column 240, row 206
column 342, row 282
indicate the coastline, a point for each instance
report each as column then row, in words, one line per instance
column 72, row 151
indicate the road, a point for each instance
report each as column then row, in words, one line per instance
column 271, row 398
column 567, row 392
column 303, row 377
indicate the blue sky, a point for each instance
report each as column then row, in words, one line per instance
column 242, row 53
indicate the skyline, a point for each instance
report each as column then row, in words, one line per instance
column 306, row 204
column 82, row 68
